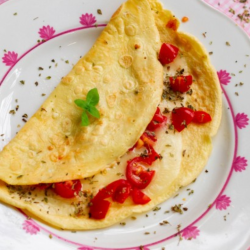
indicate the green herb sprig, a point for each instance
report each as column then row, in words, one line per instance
column 88, row 106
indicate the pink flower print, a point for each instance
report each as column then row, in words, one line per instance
column 87, row 19
column 190, row 233
column 3, row 1
column 241, row 120
column 222, row 202
column 30, row 227
column 10, row 58
column 240, row 164
column 46, row 32
column 224, row 77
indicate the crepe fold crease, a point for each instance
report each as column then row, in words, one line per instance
column 184, row 154
column 123, row 66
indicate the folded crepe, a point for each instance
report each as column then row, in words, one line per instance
column 123, row 66
column 184, row 154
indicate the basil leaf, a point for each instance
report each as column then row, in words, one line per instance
column 94, row 111
column 92, row 97
column 88, row 105
column 85, row 119
column 81, row 103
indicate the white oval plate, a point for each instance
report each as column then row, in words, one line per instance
column 218, row 203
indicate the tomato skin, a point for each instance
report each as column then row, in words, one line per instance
column 122, row 192
column 201, row 117
column 43, row 186
column 68, row 189
column 181, row 83
column 137, row 175
column 139, row 197
column 109, row 190
column 148, row 138
column 172, row 24
column 151, row 156
column 157, row 121
column 168, row 53
column 98, row 209
column 181, row 117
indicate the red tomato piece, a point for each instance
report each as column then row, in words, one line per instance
column 168, row 53
column 98, row 209
column 149, row 138
column 201, row 117
column 139, row 197
column 109, row 190
column 68, row 189
column 151, row 156
column 181, row 83
column 172, row 24
column 43, row 186
column 157, row 121
column 181, row 117
column 137, row 174
column 122, row 192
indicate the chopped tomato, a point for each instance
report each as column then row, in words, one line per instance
column 172, row 24
column 68, row 189
column 122, row 192
column 149, row 138
column 98, row 209
column 139, row 197
column 157, row 121
column 109, row 190
column 201, row 117
column 137, row 174
column 151, row 155
column 168, row 53
column 139, row 144
column 181, row 117
column 43, row 186
column 181, row 83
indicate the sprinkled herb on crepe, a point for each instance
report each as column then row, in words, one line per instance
column 169, row 154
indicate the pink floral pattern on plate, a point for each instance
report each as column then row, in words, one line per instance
column 87, row 19
column 223, row 202
column 237, row 10
column 224, row 77
column 190, row 233
column 241, row 120
column 3, row 1
column 240, row 164
column 10, row 58
column 30, row 227
column 46, row 32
